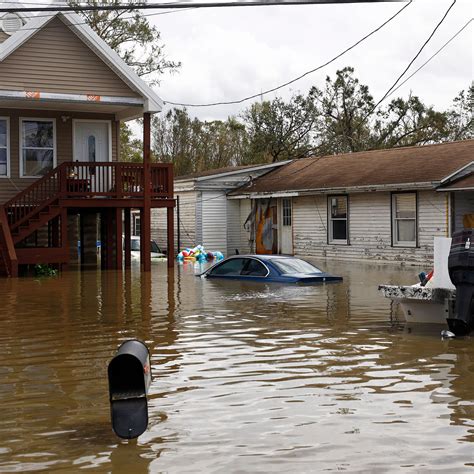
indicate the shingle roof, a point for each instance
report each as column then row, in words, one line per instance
column 420, row 164
column 467, row 182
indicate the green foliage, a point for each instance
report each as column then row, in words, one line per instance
column 131, row 149
column 193, row 145
column 131, row 35
column 43, row 270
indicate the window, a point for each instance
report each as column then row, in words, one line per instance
column 232, row 267
column 37, row 141
column 286, row 206
column 254, row 268
column 337, row 212
column 404, row 225
column 294, row 265
column 4, row 146
column 91, row 148
column 136, row 224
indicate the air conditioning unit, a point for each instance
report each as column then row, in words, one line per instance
column 10, row 23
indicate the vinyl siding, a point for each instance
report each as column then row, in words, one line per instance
column 187, row 206
column 214, row 220
column 233, row 227
column 369, row 228
column 64, row 148
column 56, row 60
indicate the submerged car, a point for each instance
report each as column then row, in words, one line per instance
column 156, row 253
column 269, row 268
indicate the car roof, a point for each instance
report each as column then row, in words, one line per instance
column 264, row 257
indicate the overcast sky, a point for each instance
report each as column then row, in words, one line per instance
column 227, row 54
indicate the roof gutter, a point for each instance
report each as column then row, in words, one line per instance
column 356, row 189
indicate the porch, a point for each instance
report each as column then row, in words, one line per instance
column 79, row 201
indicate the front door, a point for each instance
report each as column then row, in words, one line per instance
column 91, row 141
column 92, row 145
column 286, row 228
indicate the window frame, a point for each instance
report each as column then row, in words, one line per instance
column 20, row 136
column 136, row 217
column 7, row 175
column 286, row 204
column 330, row 220
column 393, row 219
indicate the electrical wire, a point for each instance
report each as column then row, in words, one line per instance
column 432, row 57
column 411, row 62
column 281, row 86
column 156, row 6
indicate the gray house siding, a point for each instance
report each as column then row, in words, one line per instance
column 369, row 228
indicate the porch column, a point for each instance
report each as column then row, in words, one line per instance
column 146, row 210
column 64, row 231
column 127, row 234
column 170, row 231
column 118, row 239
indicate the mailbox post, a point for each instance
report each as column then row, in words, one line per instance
column 129, row 375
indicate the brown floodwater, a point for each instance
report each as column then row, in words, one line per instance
column 246, row 377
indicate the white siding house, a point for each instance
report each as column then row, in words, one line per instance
column 206, row 216
column 384, row 206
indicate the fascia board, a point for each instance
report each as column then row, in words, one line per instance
column 455, row 174
column 353, row 189
column 244, row 171
column 153, row 103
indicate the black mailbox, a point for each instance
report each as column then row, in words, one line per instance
column 129, row 380
column 461, row 271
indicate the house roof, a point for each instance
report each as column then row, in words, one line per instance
column 419, row 166
column 227, row 170
column 76, row 24
column 466, row 183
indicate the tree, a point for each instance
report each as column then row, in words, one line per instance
column 343, row 109
column 129, row 33
column 138, row 43
column 280, row 130
column 193, row 145
column 461, row 115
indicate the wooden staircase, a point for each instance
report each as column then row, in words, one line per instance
column 26, row 213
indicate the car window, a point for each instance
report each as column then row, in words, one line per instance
column 231, row 267
column 294, row 265
column 254, row 268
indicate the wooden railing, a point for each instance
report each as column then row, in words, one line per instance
column 115, row 180
column 82, row 179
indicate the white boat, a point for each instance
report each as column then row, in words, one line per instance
column 432, row 302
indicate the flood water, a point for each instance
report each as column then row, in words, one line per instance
column 246, row 377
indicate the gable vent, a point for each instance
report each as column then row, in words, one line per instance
column 10, row 23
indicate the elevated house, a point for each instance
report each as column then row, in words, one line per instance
column 204, row 215
column 63, row 95
column 383, row 205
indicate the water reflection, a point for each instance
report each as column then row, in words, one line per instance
column 247, row 377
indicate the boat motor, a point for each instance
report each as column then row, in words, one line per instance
column 461, row 272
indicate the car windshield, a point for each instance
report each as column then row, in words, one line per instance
column 135, row 245
column 294, row 265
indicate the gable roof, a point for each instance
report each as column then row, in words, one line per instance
column 466, row 183
column 229, row 170
column 152, row 104
column 408, row 167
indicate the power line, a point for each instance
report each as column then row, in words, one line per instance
column 432, row 57
column 281, row 86
column 147, row 15
column 411, row 62
column 150, row 6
